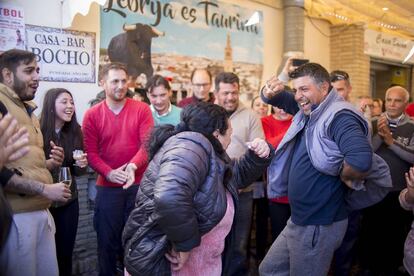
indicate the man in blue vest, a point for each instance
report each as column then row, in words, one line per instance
column 324, row 150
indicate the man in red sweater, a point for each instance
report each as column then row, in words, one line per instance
column 114, row 134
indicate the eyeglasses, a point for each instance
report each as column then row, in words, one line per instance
column 201, row 84
column 336, row 76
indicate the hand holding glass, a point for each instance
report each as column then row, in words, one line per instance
column 80, row 158
column 65, row 176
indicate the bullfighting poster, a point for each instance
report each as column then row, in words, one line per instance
column 171, row 38
column 12, row 29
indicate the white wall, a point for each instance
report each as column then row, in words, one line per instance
column 48, row 13
column 317, row 42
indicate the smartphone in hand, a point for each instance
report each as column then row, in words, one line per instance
column 298, row 62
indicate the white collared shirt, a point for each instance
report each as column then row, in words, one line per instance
column 156, row 112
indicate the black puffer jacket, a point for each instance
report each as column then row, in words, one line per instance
column 181, row 197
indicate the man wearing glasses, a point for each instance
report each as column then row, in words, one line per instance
column 246, row 127
column 201, row 86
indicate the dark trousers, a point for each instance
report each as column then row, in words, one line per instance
column 385, row 226
column 243, row 223
column 345, row 254
column 113, row 206
column 279, row 215
column 261, row 208
column 66, row 221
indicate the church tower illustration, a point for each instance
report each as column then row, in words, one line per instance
column 228, row 56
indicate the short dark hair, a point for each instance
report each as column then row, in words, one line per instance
column 338, row 75
column 226, row 77
column 103, row 72
column 200, row 69
column 156, row 81
column 11, row 59
column 313, row 70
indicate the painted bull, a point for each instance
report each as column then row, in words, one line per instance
column 133, row 48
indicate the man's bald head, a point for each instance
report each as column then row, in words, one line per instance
column 396, row 100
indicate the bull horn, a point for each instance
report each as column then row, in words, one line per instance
column 129, row 27
column 157, row 32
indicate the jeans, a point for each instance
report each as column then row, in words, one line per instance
column 113, row 206
column 243, row 223
column 303, row 250
column 279, row 215
column 66, row 221
column 262, row 214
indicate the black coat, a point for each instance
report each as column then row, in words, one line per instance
column 182, row 196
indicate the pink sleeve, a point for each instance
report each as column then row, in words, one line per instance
column 90, row 141
column 140, row 159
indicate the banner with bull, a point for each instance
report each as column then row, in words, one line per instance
column 171, row 38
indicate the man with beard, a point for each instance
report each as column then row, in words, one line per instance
column 324, row 149
column 30, row 246
column 114, row 136
column 246, row 127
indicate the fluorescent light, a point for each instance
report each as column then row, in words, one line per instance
column 254, row 19
column 410, row 54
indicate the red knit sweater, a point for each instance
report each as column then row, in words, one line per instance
column 112, row 140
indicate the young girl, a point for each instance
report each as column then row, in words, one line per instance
column 407, row 202
column 59, row 127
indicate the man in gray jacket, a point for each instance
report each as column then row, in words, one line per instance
column 246, row 127
column 386, row 221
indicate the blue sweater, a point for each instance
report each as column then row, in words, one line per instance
column 317, row 198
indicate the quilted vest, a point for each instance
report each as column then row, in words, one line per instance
column 33, row 164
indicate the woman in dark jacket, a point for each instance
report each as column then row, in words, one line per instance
column 183, row 218
column 60, row 127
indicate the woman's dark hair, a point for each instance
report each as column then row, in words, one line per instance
column 202, row 117
column 70, row 134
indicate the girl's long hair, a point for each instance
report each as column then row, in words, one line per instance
column 70, row 134
column 202, row 117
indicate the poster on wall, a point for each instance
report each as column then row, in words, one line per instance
column 171, row 38
column 12, row 29
column 63, row 55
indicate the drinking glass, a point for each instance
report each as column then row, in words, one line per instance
column 77, row 155
column 65, row 176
